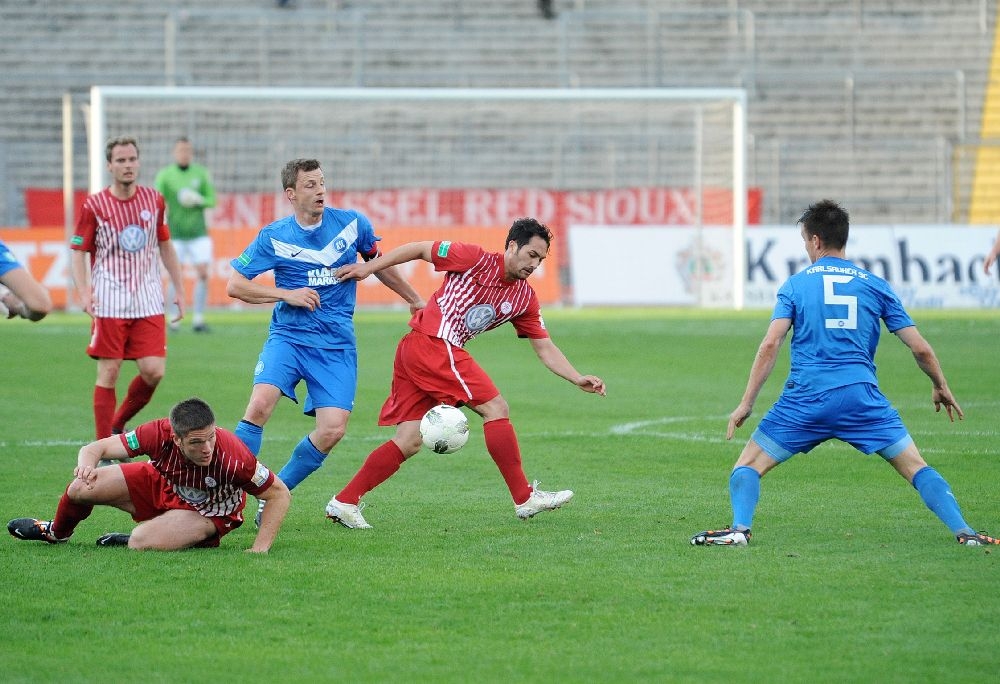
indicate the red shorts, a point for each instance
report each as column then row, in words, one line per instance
column 128, row 338
column 429, row 371
column 152, row 495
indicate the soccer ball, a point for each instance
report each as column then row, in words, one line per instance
column 444, row 429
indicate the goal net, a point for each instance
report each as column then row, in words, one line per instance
column 474, row 158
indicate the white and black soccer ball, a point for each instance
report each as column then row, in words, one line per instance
column 444, row 429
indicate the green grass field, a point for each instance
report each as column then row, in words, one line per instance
column 849, row 577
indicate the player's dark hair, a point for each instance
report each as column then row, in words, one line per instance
column 523, row 229
column 121, row 140
column 829, row 220
column 290, row 173
column 191, row 414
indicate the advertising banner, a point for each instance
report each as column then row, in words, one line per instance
column 934, row 266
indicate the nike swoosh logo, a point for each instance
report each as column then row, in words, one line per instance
column 327, row 256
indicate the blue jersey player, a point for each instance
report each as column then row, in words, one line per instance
column 836, row 310
column 311, row 336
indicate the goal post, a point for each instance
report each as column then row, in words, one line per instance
column 686, row 144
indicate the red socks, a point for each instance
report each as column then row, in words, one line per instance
column 139, row 394
column 104, row 409
column 501, row 442
column 380, row 465
column 68, row 516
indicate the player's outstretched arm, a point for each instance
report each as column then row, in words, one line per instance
column 760, row 371
column 278, row 500
column 27, row 297
column 554, row 359
column 393, row 279
column 398, row 255
column 928, row 362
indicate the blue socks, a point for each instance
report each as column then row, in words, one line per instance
column 305, row 459
column 936, row 493
column 744, row 492
column 251, row 435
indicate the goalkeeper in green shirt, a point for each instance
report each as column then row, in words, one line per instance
column 187, row 188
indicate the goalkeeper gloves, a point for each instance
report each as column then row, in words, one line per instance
column 190, row 198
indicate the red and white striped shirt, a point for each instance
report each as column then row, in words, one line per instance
column 216, row 490
column 123, row 238
column 476, row 297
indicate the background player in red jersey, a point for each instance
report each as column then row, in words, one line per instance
column 191, row 492
column 122, row 229
column 481, row 291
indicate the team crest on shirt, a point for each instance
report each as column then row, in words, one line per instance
column 191, row 494
column 210, row 482
column 479, row 317
column 132, row 238
column 506, row 308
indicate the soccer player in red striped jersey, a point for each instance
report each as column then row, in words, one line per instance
column 481, row 291
column 190, row 493
column 123, row 231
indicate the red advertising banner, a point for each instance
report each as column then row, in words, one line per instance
column 464, row 207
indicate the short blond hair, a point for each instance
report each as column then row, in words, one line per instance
column 115, row 142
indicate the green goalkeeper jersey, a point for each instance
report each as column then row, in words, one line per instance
column 189, row 192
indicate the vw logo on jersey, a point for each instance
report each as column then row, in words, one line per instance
column 479, row 317
column 190, row 494
column 132, row 238
column 340, row 244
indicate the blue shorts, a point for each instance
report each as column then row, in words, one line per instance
column 857, row 414
column 331, row 375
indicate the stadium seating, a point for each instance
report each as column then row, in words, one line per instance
column 861, row 101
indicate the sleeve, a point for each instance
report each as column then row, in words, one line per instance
column 257, row 258
column 146, row 439
column 530, row 324
column 207, row 190
column 893, row 313
column 86, row 227
column 454, row 256
column 250, row 475
column 784, row 307
column 260, row 480
column 367, row 239
column 162, row 229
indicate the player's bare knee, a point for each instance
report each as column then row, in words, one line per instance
column 327, row 436
column 495, row 409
